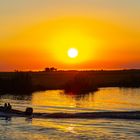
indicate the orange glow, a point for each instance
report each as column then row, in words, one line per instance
column 100, row 44
column 68, row 33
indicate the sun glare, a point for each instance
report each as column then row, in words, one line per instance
column 72, row 53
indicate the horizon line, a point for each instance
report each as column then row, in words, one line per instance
column 59, row 70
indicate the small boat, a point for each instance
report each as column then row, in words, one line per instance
column 84, row 115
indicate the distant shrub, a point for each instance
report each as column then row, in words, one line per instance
column 50, row 69
column 80, row 84
column 18, row 82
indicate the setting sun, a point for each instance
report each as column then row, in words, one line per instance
column 72, row 52
column 72, row 60
column 104, row 36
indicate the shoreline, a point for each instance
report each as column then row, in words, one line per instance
column 73, row 81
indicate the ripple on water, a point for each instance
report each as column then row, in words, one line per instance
column 73, row 129
column 66, row 129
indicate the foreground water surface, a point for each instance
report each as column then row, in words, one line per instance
column 106, row 99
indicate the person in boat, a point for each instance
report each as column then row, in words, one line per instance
column 29, row 111
column 7, row 107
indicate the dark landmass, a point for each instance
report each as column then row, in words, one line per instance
column 71, row 81
column 84, row 115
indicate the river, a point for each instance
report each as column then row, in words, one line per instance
column 105, row 99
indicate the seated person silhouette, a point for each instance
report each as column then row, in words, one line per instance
column 7, row 107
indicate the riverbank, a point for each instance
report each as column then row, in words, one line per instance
column 77, row 80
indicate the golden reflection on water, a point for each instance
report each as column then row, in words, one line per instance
column 54, row 98
column 59, row 101
column 75, row 126
column 104, row 99
column 117, row 99
column 58, row 124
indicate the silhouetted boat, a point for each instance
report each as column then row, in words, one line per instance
column 83, row 115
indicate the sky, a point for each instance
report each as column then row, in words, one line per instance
column 35, row 34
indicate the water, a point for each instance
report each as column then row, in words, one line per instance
column 74, row 129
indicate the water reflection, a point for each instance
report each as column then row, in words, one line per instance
column 16, row 97
column 7, row 119
column 62, row 101
column 104, row 99
column 58, row 100
column 68, row 129
column 77, row 95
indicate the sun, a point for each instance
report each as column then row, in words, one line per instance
column 72, row 53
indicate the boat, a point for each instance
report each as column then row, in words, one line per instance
column 83, row 115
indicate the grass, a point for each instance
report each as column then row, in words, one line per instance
column 27, row 82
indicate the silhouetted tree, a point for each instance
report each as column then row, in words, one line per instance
column 50, row 69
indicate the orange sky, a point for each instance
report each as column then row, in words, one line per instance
column 37, row 34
